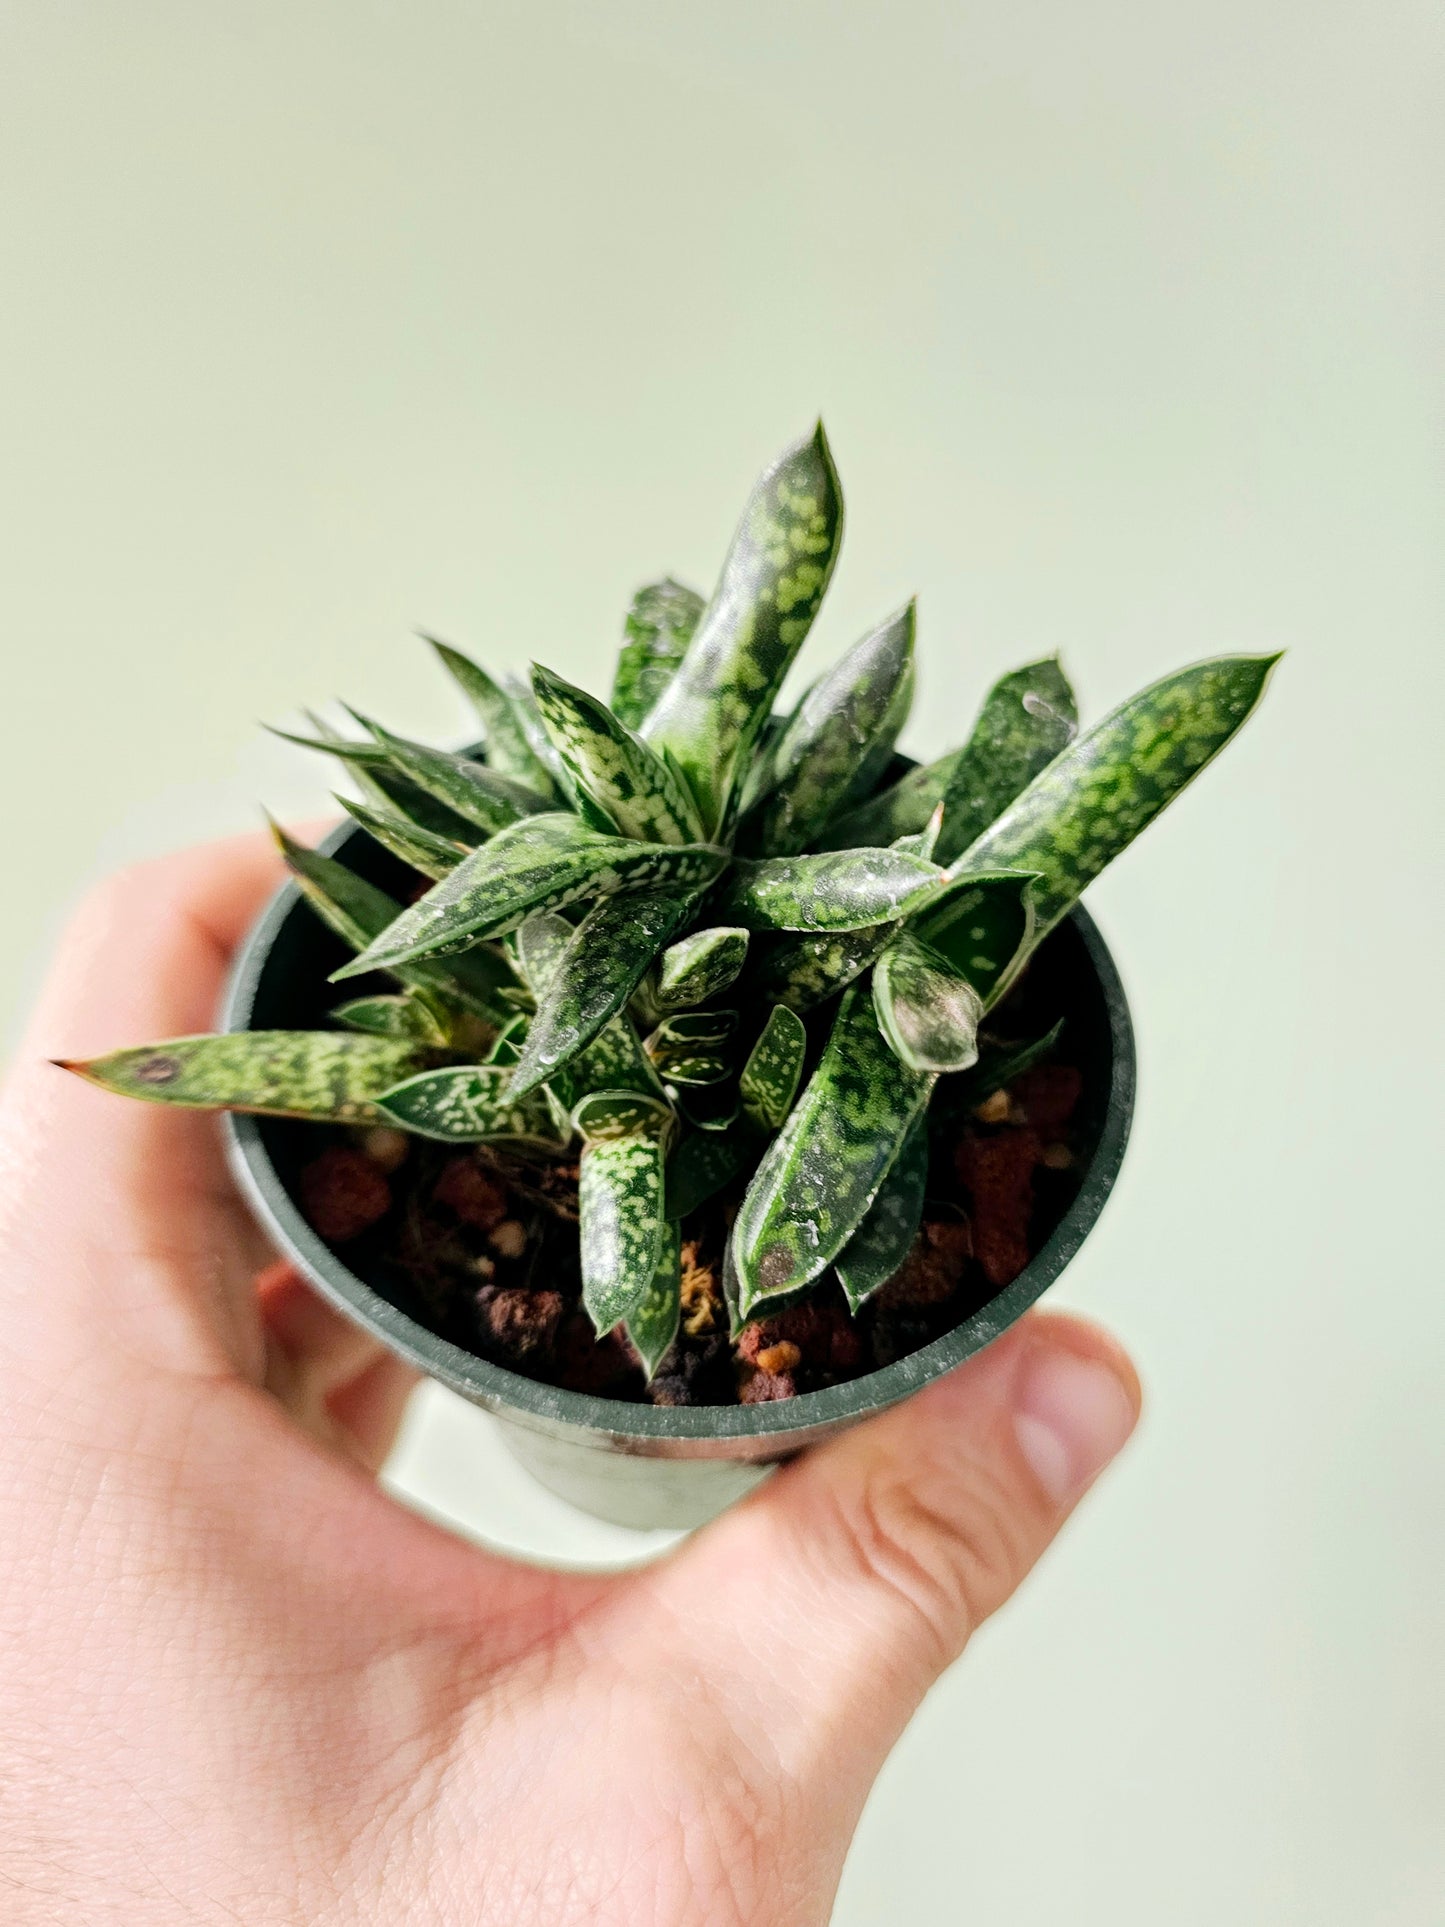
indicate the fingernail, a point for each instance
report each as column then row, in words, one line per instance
column 1073, row 1414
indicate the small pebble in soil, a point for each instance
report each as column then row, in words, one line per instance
column 781, row 1357
column 508, row 1239
column 386, row 1148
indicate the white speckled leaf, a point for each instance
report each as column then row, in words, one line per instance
column 605, row 959
column 620, row 1198
column 652, row 1324
column 838, row 890
column 327, row 1075
column 884, row 1239
column 624, row 777
column 700, row 966
column 823, row 1170
column 540, row 863
column 470, row 1104
column 843, row 721
column 769, row 1080
column 772, row 582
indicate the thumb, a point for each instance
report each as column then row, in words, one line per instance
column 847, row 1584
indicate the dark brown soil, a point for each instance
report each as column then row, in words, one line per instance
column 484, row 1246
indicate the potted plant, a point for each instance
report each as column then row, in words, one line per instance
column 682, row 1080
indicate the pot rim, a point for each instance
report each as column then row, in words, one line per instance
column 552, row 1408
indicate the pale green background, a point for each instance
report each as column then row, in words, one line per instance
column 322, row 321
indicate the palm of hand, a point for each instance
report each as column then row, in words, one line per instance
column 239, row 1682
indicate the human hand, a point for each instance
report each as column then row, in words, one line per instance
column 239, row 1682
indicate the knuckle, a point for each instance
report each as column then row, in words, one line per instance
column 945, row 1549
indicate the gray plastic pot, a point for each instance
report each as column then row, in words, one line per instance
column 644, row 1465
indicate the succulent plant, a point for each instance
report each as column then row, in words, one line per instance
column 703, row 939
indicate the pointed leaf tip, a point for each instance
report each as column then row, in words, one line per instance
column 1110, row 783
column 777, row 569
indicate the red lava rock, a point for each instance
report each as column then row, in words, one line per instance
column 476, row 1197
column 587, row 1363
column 999, row 1172
column 934, row 1268
column 1048, row 1095
column 343, row 1194
column 519, row 1322
column 762, row 1388
column 823, row 1336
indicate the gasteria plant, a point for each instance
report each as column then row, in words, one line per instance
column 647, row 918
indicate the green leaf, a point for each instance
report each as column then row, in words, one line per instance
column 981, row 926
column 404, row 1016
column 540, row 863
column 611, row 1114
column 769, row 1080
column 371, row 769
column 478, row 795
column 924, row 842
column 781, row 558
column 614, row 1060
column 840, row 725
column 837, row 890
column 818, row 1177
column 507, row 1044
column 435, row 856
column 655, row 636
column 319, row 1074
column 606, row 957
column 1110, row 783
column 876, row 760
column 358, row 913
column 883, row 1241
column 1027, row 718
column 702, row 965
column 702, row 1164
column 803, row 971
column 626, row 779
column 470, row 1104
column 620, row 1193
column 652, row 1324
column 509, row 751
column 694, row 1047
column 758, row 778
column 540, row 744
column 928, row 1013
